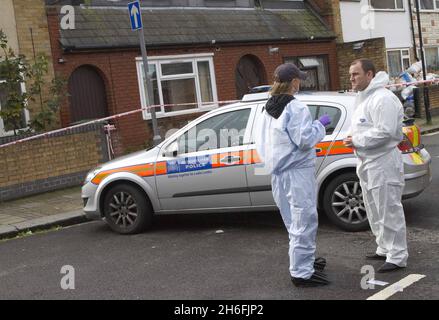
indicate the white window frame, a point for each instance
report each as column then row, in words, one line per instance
column 158, row 61
column 402, row 56
column 425, row 54
column 4, row 133
column 393, row 10
column 405, row 56
column 435, row 9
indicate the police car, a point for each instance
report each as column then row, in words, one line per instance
column 211, row 165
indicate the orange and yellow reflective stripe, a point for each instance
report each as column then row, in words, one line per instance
column 412, row 133
column 323, row 146
column 417, row 159
column 416, row 141
column 245, row 157
column 216, row 159
column 337, row 148
column 143, row 170
column 251, row 157
column 161, row 168
column 236, row 158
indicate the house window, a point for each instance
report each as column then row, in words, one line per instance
column 387, row 4
column 398, row 61
column 7, row 127
column 431, row 58
column 429, row 4
column 317, row 69
column 187, row 81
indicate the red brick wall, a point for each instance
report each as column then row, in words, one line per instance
column 227, row 58
column 118, row 69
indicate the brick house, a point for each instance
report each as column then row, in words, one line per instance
column 198, row 51
column 25, row 25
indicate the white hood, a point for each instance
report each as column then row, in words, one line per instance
column 380, row 80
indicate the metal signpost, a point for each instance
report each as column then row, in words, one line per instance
column 136, row 24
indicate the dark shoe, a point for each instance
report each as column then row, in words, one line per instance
column 374, row 256
column 319, row 264
column 317, row 279
column 388, row 267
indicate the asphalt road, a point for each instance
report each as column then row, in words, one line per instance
column 219, row 256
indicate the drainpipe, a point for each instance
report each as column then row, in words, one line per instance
column 424, row 73
column 415, row 51
column 413, row 30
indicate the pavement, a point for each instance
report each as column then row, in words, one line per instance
column 41, row 212
column 64, row 207
column 428, row 128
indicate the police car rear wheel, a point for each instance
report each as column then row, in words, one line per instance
column 343, row 203
column 126, row 209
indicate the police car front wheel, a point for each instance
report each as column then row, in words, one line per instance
column 126, row 209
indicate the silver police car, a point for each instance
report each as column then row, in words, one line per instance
column 211, row 165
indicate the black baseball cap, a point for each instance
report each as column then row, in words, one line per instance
column 287, row 72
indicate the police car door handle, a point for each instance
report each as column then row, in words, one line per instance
column 230, row 159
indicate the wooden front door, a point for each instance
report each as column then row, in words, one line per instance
column 249, row 73
column 88, row 99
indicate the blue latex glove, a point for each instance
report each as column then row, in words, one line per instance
column 325, row 120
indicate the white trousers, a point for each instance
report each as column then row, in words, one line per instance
column 382, row 182
column 295, row 194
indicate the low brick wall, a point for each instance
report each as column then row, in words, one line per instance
column 50, row 163
column 433, row 93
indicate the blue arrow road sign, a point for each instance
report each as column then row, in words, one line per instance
column 135, row 15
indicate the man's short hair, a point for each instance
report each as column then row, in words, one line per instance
column 366, row 64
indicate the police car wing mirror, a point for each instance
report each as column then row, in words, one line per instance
column 172, row 150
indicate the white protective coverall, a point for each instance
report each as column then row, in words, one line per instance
column 376, row 130
column 286, row 146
